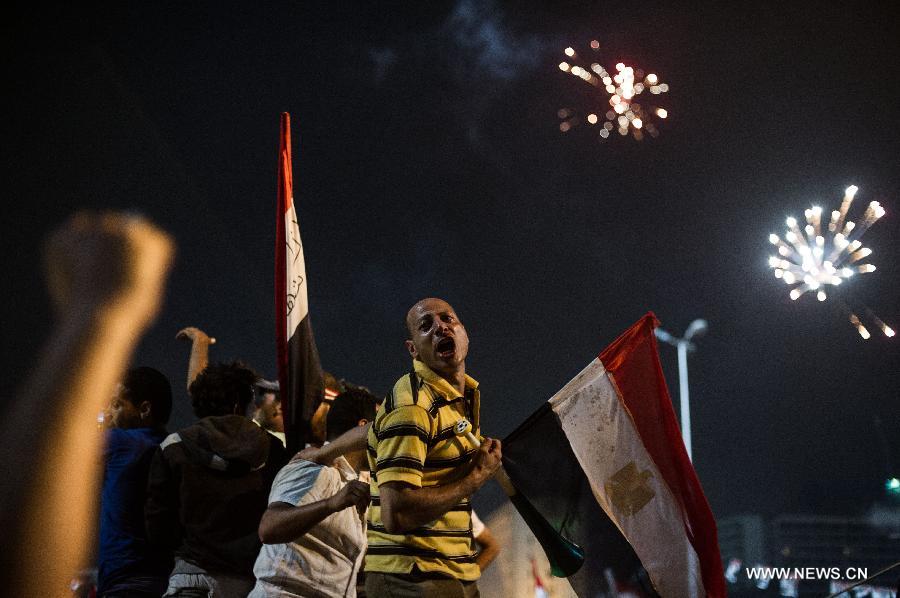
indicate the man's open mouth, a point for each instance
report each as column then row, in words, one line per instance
column 445, row 347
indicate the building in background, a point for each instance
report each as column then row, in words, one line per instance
column 743, row 537
column 855, row 546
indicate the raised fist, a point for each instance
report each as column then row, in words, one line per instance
column 111, row 261
column 487, row 458
column 355, row 493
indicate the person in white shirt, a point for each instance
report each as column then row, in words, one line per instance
column 314, row 530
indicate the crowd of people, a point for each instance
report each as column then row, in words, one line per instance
column 219, row 508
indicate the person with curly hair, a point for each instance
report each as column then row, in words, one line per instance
column 265, row 409
column 209, row 485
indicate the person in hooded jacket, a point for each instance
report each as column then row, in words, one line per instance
column 209, row 485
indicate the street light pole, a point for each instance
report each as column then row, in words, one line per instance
column 684, row 344
column 685, row 398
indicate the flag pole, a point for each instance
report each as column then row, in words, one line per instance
column 300, row 374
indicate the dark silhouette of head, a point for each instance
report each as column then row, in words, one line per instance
column 223, row 389
column 351, row 408
column 143, row 400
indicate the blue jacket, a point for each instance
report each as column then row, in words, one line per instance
column 126, row 561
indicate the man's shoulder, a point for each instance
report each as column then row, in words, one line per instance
column 410, row 391
column 130, row 443
column 307, row 470
column 118, row 438
column 172, row 440
column 298, row 477
column 300, row 467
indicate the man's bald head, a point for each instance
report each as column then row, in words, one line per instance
column 437, row 336
column 418, row 307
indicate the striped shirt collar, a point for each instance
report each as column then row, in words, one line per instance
column 440, row 384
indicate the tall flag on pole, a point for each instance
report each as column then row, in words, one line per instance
column 299, row 370
column 604, row 463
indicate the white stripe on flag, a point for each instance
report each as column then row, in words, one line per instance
column 624, row 478
column 297, row 302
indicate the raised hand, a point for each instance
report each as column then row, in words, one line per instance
column 195, row 335
column 200, row 342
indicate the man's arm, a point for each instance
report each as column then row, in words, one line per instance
column 200, row 342
column 490, row 548
column 106, row 274
column 405, row 507
column 352, row 440
column 283, row 522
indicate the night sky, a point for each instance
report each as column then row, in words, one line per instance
column 428, row 162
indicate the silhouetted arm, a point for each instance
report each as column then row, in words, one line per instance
column 106, row 274
column 199, row 359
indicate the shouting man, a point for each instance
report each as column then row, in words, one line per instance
column 423, row 474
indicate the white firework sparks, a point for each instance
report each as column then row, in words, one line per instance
column 622, row 111
column 826, row 254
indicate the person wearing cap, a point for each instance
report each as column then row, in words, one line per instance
column 266, row 409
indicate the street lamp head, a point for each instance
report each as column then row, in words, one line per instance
column 664, row 336
column 696, row 328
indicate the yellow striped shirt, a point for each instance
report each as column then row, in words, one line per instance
column 413, row 441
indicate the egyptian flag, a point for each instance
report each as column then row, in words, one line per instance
column 604, row 463
column 299, row 370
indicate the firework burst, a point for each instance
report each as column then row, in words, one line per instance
column 825, row 254
column 617, row 97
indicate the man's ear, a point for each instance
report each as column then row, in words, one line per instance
column 362, row 422
column 411, row 347
column 145, row 409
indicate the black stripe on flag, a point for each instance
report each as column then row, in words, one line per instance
column 540, row 462
column 307, row 384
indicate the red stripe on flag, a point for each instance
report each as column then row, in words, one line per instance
column 633, row 361
column 285, row 197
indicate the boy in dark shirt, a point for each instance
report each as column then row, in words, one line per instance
column 136, row 418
